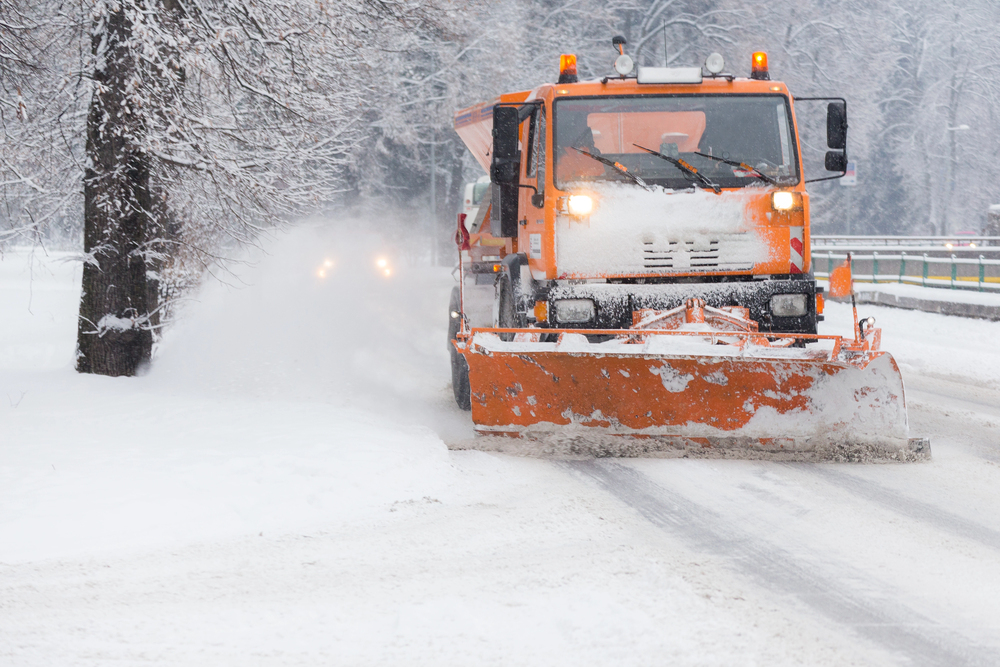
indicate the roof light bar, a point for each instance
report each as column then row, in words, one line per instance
column 669, row 75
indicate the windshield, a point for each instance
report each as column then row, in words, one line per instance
column 752, row 129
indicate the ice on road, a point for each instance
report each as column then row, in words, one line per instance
column 277, row 490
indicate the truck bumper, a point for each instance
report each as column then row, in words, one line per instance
column 615, row 303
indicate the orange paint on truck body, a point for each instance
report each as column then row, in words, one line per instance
column 474, row 126
column 708, row 373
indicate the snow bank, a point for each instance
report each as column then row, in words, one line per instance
column 932, row 293
column 928, row 344
column 39, row 300
column 279, row 402
column 101, row 466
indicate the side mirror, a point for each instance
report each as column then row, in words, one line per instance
column 538, row 200
column 505, row 172
column 836, row 161
column 836, row 127
column 506, row 158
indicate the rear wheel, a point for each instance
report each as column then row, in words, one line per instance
column 459, row 367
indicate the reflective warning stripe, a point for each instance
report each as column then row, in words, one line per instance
column 797, row 258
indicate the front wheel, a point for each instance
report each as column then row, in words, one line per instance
column 506, row 309
column 459, row 367
column 460, row 380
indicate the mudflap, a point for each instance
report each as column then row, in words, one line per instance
column 677, row 394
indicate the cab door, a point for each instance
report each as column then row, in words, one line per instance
column 531, row 208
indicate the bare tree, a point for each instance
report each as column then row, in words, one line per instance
column 17, row 55
column 240, row 114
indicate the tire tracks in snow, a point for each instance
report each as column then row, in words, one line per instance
column 953, row 412
column 954, row 393
column 912, row 508
column 878, row 617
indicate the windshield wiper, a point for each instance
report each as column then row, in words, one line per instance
column 742, row 165
column 620, row 168
column 703, row 180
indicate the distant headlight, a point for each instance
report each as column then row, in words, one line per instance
column 789, row 305
column 580, row 205
column 574, row 311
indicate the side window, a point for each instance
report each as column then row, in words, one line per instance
column 536, row 145
column 538, row 155
column 529, row 158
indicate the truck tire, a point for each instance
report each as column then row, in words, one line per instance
column 459, row 368
column 506, row 308
column 460, row 381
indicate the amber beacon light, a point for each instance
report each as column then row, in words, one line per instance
column 759, row 70
column 567, row 68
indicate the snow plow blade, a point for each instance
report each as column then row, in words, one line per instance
column 690, row 390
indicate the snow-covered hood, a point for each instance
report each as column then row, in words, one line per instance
column 632, row 231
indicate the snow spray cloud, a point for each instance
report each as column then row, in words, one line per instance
column 331, row 312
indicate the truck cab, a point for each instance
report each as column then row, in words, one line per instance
column 640, row 191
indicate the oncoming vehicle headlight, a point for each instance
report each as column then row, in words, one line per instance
column 324, row 270
column 789, row 305
column 579, row 205
column 574, row 311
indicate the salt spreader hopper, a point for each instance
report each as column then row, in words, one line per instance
column 658, row 282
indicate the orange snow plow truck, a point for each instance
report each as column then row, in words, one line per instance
column 658, row 282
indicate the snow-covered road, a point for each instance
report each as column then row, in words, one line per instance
column 277, row 491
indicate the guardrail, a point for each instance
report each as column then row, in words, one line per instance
column 959, row 242
column 980, row 273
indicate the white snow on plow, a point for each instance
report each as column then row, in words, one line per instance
column 655, row 344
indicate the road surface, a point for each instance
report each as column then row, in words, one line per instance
column 278, row 491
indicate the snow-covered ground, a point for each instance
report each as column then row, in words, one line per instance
column 277, row 490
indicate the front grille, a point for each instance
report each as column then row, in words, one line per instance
column 681, row 255
column 659, row 258
column 655, row 252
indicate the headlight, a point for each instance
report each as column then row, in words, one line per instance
column 789, row 305
column 580, row 205
column 574, row 311
column 783, row 201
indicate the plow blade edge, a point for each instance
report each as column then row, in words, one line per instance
column 786, row 399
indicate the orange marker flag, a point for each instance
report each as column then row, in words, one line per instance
column 841, row 281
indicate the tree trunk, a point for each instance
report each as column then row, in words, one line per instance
column 114, row 337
